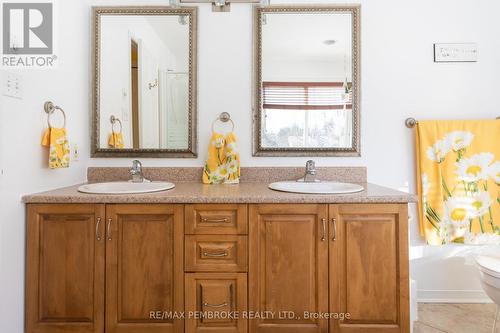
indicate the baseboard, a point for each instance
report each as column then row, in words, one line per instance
column 452, row 296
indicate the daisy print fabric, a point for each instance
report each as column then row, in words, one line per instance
column 458, row 170
column 59, row 151
column 223, row 162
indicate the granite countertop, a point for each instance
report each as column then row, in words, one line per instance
column 252, row 188
column 195, row 192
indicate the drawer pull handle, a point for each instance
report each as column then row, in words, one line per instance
column 206, row 220
column 216, row 255
column 215, row 305
column 97, row 233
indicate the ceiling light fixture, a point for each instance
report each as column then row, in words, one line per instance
column 222, row 5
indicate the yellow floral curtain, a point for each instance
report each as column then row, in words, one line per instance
column 458, row 169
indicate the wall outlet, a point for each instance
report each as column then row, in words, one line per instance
column 13, row 86
column 76, row 153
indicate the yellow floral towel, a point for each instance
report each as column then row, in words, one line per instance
column 116, row 141
column 223, row 163
column 458, row 168
column 59, row 152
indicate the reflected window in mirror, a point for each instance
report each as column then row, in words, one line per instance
column 307, row 81
column 145, row 77
column 306, row 114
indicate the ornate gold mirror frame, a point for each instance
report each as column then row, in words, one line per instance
column 258, row 149
column 97, row 13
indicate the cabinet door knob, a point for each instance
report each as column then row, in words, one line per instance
column 108, row 229
column 323, row 237
column 334, row 221
column 97, row 233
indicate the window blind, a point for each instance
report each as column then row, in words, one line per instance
column 305, row 96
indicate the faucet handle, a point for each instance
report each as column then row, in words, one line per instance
column 311, row 165
column 136, row 167
column 310, row 174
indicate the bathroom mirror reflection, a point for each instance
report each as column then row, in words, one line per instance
column 144, row 96
column 307, row 81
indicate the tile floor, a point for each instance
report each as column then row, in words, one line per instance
column 454, row 318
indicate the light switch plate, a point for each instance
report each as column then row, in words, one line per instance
column 13, row 86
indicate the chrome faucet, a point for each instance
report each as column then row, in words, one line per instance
column 136, row 172
column 310, row 175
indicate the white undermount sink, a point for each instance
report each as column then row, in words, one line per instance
column 125, row 187
column 316, row 187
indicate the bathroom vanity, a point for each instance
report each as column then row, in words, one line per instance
column 265, row 261
column 226, row 258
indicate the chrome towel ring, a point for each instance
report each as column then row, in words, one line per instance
column 223, row 117
column 113, row 121
column 49, row 108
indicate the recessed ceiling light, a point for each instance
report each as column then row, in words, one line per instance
column 330, row 42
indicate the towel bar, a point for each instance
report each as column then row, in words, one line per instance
column 412, row 122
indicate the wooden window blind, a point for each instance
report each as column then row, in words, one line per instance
column 305, row 96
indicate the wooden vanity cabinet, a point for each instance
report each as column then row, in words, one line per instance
column 65, row 268
column 94, row 268
column 333, row 260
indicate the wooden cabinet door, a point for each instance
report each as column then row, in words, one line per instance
column 216, row 302
column 65, row 268
column 288, row 269
column 144, row 269
column 369, row 268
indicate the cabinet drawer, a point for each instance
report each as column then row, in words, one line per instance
column 205, row 253
column 216, row 219
column 217, row 300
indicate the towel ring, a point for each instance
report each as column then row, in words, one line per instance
column 223, row 117
column 115, row 120
column 49, row 108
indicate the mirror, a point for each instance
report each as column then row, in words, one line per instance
column 144, row 94
column 306, row 81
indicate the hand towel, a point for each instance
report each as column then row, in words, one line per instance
column 116, row 141
column 232, row 159
column 223, row 162
column 59, row 151
column 458, row 170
